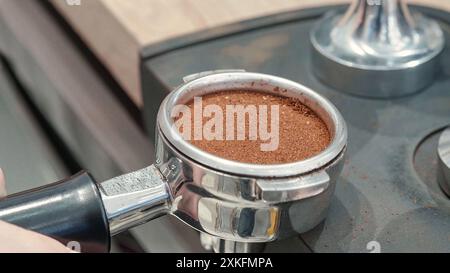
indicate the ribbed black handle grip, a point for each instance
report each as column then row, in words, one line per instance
column 69, row 211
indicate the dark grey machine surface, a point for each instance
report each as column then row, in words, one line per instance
column 382, row 199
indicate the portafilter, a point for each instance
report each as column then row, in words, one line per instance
column 231, row 202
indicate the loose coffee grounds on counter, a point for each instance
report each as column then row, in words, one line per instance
column 302, row 134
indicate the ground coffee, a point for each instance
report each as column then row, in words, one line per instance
column 302, row 134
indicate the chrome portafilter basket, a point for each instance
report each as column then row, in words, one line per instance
column 236, row 206
column 247, row 203
column 377, row 49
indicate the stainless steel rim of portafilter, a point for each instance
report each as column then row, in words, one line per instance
column 263, row 83
column 444, row 160
column 378, row 42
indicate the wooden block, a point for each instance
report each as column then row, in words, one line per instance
column 116, row 30
column 80, row 108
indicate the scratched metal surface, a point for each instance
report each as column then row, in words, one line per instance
column 380, row 195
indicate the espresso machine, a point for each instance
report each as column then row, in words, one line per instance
column 384, row 65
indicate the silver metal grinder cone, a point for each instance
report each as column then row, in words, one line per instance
column 377, row 49
column 231, row 202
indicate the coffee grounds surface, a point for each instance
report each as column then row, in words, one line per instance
column 302, row 133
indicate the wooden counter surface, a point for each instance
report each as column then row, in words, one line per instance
column 116, row 30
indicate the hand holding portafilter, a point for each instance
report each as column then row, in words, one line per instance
column 2, row 184
column 15, row 239
column 227, row 200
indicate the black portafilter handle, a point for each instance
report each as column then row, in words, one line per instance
column 70, row 211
